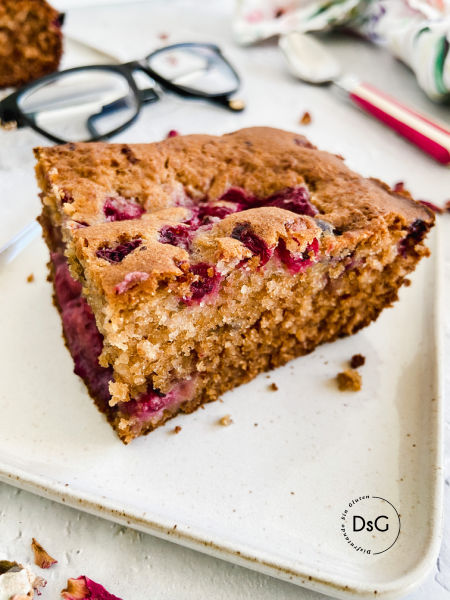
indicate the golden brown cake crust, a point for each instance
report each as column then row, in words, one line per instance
column 260, row 160
column 194, row 168
column 30, row 41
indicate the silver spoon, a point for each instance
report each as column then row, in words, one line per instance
column 311, row 62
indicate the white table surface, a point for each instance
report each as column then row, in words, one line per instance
column 131, row 564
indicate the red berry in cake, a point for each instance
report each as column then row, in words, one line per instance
column 149, row 402
column 219, row 211
column 118, row 253
column 416, row 233
column 120, row 209
column 130, row 280
column 173, row 133
column 178, row 235
column 254, row 243
column 207, row 281
column 235, row 194
column 66, row 197
column 66, row 287
column 297, row 263
column 295, row 199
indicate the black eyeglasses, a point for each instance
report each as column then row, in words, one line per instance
column 98, row 101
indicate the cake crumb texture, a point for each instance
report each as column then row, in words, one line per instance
column 357, row 360
column 349, row 381
column 306, row 118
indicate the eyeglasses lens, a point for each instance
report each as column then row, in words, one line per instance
column 198, row 69
column 81, row 105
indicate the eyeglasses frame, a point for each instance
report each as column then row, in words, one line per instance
column 10, row 110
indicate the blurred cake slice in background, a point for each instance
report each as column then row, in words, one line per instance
column 30, row 41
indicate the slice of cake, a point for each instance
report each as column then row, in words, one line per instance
column 30, row 41
column 184, row 268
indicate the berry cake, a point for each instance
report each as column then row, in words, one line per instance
column 184, row 268
column 30, row 41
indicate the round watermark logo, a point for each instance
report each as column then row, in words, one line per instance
column 370, row 524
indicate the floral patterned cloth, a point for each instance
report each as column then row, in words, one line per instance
column 415, row 31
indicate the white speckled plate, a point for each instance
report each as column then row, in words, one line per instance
column 268, row 491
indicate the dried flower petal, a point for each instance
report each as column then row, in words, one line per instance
column 83, row 588
column 41, row 557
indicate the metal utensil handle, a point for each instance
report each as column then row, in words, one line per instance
column 432, row 138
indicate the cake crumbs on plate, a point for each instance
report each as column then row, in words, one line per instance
column 273, row 387
column 357, row 360
column 305, row 118
column 349, row 380
column 41, row 557
column 225, row 421
column 30, row 278
column 177, row 429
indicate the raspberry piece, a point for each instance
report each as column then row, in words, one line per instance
column 118, row 253
column 295, row 199
column 121, row 209
column 207, row 282
column 178, row 235
column 130, row 280
column 219, row 210
column 235, row 194
column 150, row 402
column 294, row 263
column 254, row 243
column 416, row 233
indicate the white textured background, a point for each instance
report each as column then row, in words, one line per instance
column 142, row 566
